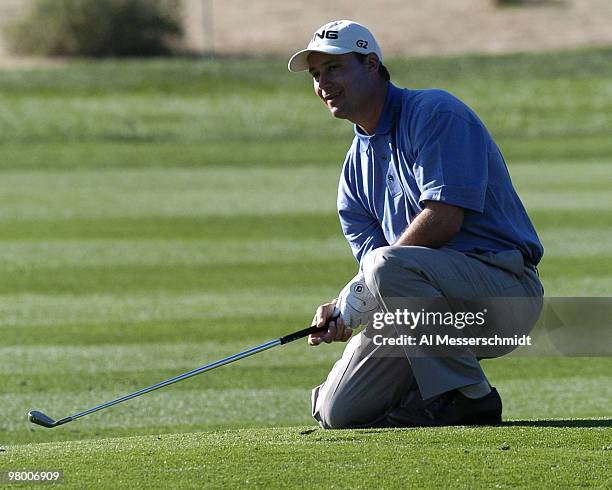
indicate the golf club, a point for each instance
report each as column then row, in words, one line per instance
column 40, row 418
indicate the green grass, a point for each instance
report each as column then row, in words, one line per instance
column 158, row 215
column 246, row 112
column 519, row 455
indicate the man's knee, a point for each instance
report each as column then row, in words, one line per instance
column 378, row 267
column 342, row 409
column 333, row 413
column 385, row 267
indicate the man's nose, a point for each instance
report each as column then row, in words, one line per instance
column 324, row 82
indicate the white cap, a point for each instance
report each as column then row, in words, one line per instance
column 337, row 37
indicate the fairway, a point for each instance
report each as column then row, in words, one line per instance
column 520, row 454
column 181, row 212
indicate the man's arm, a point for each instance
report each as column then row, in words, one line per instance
column 434, row 226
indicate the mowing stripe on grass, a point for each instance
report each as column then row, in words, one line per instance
column 200, row 406
column 270, row 324
column 322, row 226
column 230, row 278
column 166, row 193
column 203, row 278
column 175, row 356
column 216, row 191
column 29, row 254
column 56, row 309
column 557, row 283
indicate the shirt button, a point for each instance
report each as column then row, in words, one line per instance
column 384, row 157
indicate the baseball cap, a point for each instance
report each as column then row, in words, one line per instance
column 337, row 37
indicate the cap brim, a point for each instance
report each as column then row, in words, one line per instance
column 299, row 61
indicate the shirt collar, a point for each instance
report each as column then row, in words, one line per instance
column 388, row 116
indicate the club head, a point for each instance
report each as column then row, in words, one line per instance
column 40, row 418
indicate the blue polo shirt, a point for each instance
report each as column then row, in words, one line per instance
column 429, row 145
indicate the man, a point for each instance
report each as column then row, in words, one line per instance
column 427, row 205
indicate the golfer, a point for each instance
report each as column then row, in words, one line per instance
column 427, row 206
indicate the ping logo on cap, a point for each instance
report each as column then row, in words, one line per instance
column 325, row 35
column 336, row 38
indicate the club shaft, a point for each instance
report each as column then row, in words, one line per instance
column 176, row 379
column 41, row 419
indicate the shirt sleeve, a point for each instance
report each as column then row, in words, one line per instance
column 451, row 160
column 361, row 229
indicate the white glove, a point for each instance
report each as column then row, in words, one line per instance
column 356, row 303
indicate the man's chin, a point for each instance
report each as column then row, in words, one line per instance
column 338, row 113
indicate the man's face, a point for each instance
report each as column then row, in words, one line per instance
column 342, row 82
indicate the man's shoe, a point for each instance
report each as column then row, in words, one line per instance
column 451, row 408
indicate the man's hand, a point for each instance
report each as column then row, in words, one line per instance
column 336, row 331
column 356, row 303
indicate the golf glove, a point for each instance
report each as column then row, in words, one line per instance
column 356, row 303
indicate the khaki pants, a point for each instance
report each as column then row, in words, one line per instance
column 372, row 385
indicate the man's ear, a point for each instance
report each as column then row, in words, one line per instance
column 372, row 62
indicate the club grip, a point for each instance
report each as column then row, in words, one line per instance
column 307, row 331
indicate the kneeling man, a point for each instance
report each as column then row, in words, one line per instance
column 427, row 205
